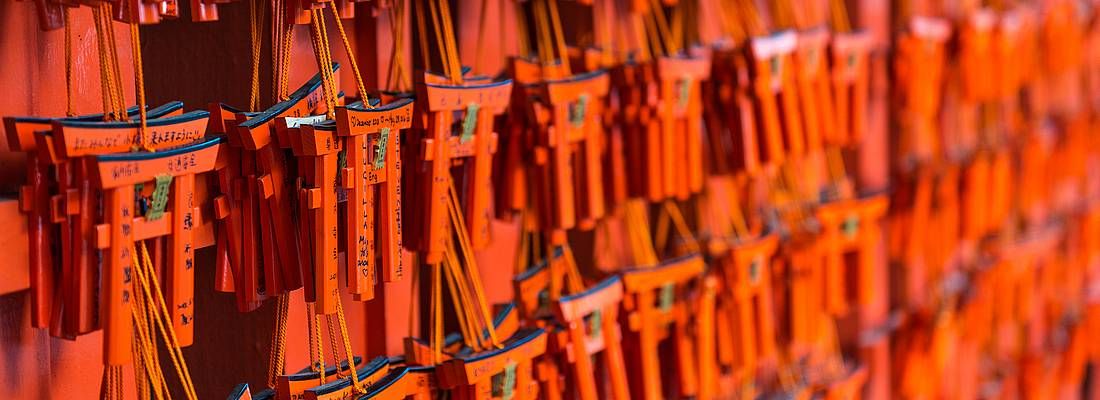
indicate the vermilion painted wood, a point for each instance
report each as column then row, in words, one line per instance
column 850, row 70
column 122, row 227
column 537, row 287
column 680, row 111
column 814, row 89
column 317, row 146
column 80, row 205
column 585, row 340
column 574, row 136
column 804, row 301
column 749, row 284
column 343, row 388
column 34, row 200
column 919, row 69
column 252, row 185
column 777, row 106
column 851, row 226
column 405, row 383
column 374, row 164
column 440, row 149
column 471, row 376
column 734, row 113
column 640, row 134
column 294, row 385
column 418, row 352
column 648, row 325
column 270, row 195
column 74, row 203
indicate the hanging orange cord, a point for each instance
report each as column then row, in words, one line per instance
column 838, row 11
column 150, row 288
column 351, row 57
column 397, row 79
column 139, row 83
column 111, row 386
column 255, row 25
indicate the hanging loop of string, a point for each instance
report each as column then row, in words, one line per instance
column 255, row 22
column 139, row 84
column 319, row 37
column 351, row 57
column 114, row 108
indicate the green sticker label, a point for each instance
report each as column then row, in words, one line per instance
column 380, row 148
column 595, row 324
column 469, row 122
column 685, row 91
column 667, row 294
column 576, row 112
column 504, row 383
column 160, row 197
column 851, row 226
column 754, row 270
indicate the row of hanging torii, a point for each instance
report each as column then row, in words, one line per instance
column 685, row 113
